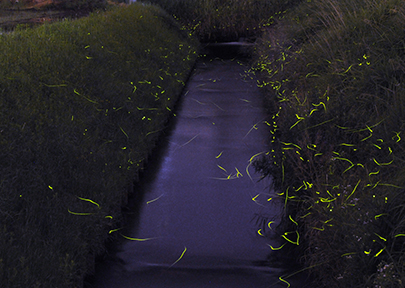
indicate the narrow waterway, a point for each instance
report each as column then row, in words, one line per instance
column 201, row 207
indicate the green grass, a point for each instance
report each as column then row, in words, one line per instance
column 334, row 71
column 82, row 105
column 78, row 118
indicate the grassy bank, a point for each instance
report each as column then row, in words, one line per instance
column 220, row 21
column 82, row 105
column 79, row 116
column 334, row 73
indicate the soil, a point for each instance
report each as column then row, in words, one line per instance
column 31, row 15
column 10, row 19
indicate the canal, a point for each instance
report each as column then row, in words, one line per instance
column 200, row 216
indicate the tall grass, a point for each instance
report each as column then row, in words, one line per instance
column 334, row 73
column 82, row 103
column 217, row 20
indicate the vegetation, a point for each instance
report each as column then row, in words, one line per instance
column 219, row 21
column 79, row 116
column 82, row 105
column 334, row 71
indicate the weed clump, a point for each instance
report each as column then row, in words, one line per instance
column 334, row 72
column 82, row 105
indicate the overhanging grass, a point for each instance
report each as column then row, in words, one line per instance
column 334, row 72
column 82, row 103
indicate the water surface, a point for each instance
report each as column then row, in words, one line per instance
column 202, row 212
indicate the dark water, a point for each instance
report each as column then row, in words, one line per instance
column 201, row 206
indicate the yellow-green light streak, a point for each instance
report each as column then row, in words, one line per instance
column 181, row 256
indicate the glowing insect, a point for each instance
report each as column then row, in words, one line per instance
column 92, row 101
column 247, row 101
column 251, row 162
column 114, row 230
column 281, row 279
column 136, row 239
column 398, row 138
column 219, row 155
column 181, row 256
column 379, row 252
column 292, row 242
column 78, row 213
column 254, row 127
column 272, row 248
column 354, row 189
column 230, row 176
column 292, row 220
column 153, row 200
column 88, row 200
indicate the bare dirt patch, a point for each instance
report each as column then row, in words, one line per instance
column 34, row 13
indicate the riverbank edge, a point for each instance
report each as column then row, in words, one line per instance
column 16, row 263
column 333, row 74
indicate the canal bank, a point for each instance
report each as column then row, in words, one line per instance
column 201, row 215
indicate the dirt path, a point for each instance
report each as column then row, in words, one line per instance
column 10, row 19
column 37, row 14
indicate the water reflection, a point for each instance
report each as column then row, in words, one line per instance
column 200, row 221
